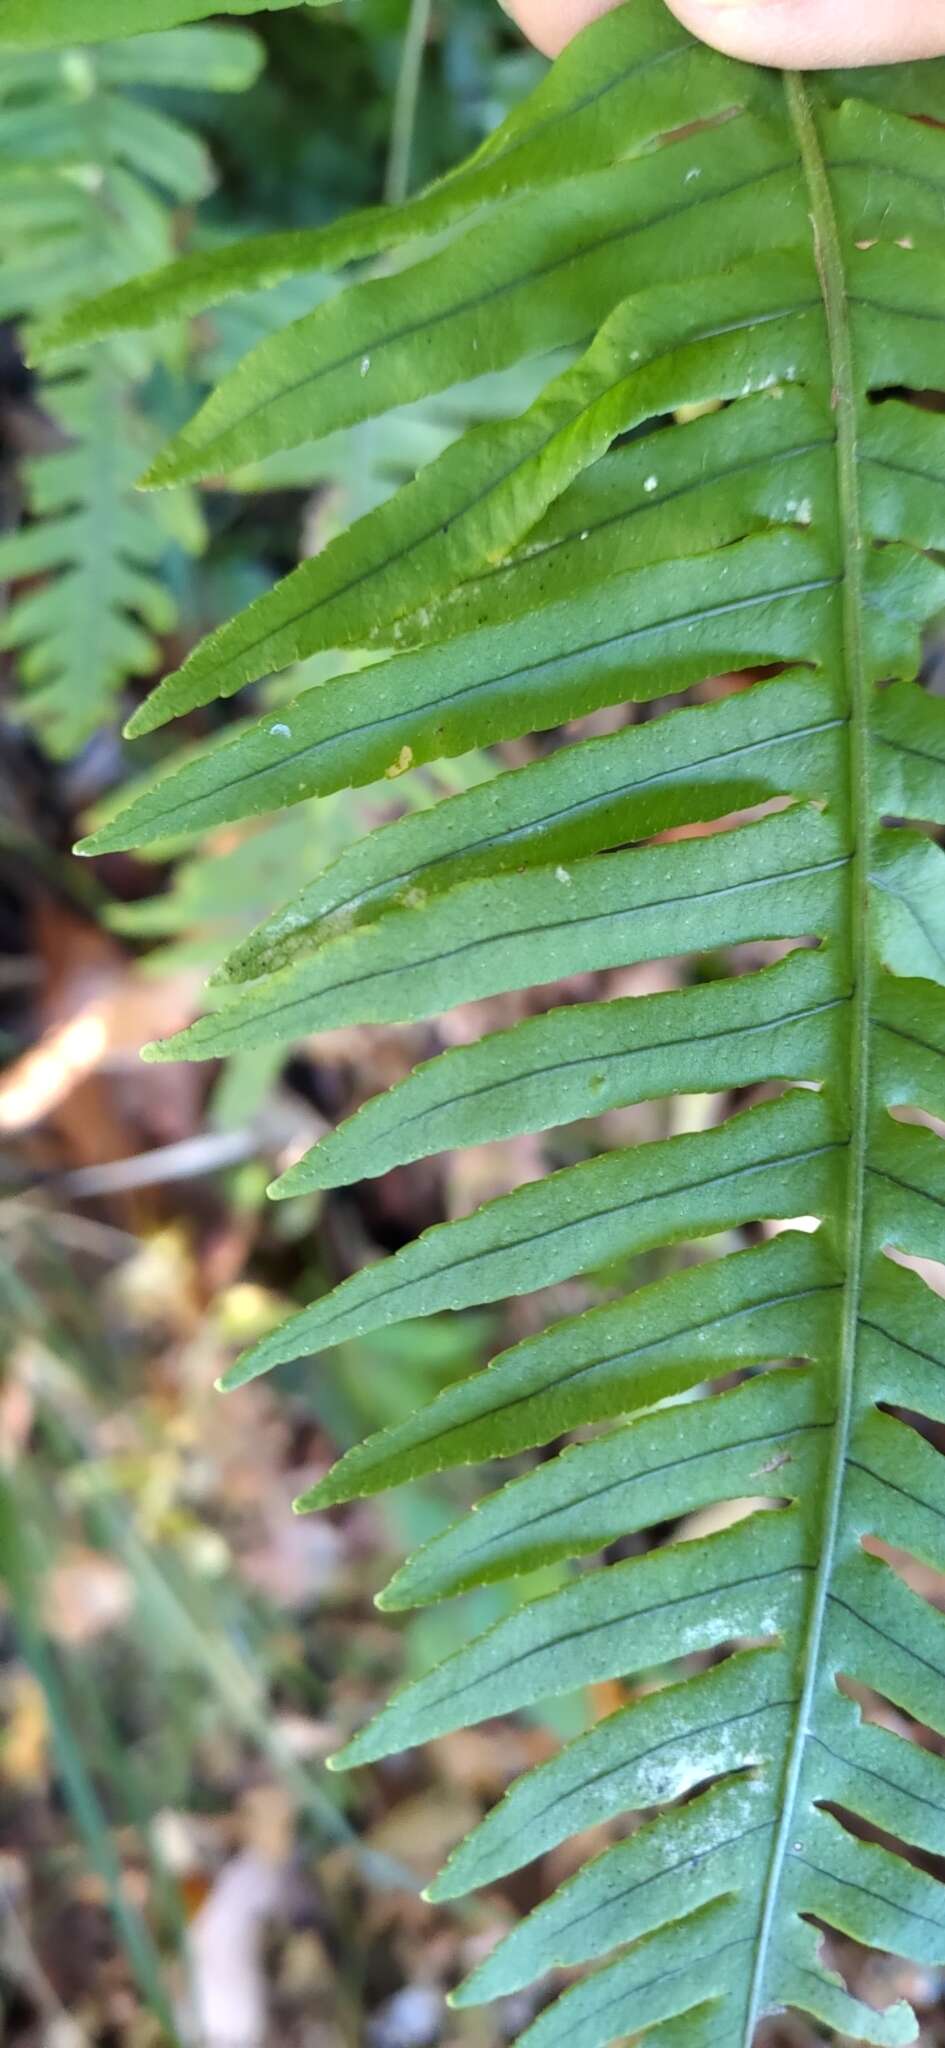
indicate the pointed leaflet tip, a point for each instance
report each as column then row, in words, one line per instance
column 50, row 337
column 108, row 839
column 177, row 463
column 318, row 1496
column 358, row 1750
column 252, row 1363
column 463, row 1995
column 388, row 1599
column 154, row 1051
column 155, row 477
column 132, row 728
column 306, row 1176
column 178, row 1046
column 439, row 1891
column 150, row 713
column 230, row 1380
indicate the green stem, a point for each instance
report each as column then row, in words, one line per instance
column 397, row 180
column 830, row 264
column 17, row 1567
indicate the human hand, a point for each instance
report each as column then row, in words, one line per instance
column 800, row 34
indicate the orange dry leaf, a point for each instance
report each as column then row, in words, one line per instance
column 23, row 1750
column 97, row 1010
column 37, row 1082
column 85, row 1595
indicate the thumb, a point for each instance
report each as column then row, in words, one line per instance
column 807, row 35
column 800, row 34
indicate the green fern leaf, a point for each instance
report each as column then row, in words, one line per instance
column 728, row 477
column 87, row 172
column 49, row 24
column 589, row 113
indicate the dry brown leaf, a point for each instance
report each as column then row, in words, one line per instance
column 421, row 1832
column 229, row 2001
column 481, row 1172
column 24, row 1747
column 85, row 1595
column 96, row 1010
column 607, row 1698
column 156, row 1288
column 267, row 1822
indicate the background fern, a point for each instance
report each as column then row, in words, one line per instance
column 49, row 24
column 90, row 173
column 728, row 479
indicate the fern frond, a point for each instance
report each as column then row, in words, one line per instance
column 729, row 477
column 50, row 24
column 88, row 173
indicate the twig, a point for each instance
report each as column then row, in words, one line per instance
column 207, row 1152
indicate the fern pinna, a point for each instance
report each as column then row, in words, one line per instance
column 89, row 172
column 730, row 478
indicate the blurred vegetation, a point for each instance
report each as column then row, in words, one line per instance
column 177, row 1654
